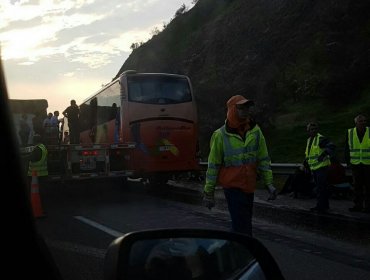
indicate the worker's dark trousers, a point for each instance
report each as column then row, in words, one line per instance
column 240, row 206
column 361, row 185
column 320, row 177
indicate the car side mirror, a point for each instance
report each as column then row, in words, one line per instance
column 188, row 254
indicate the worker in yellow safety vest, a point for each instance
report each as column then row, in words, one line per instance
column 38, row 161
column 238, row 152
column 318, row 152
column 357, row 155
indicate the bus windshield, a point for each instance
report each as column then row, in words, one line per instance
column 150, row 89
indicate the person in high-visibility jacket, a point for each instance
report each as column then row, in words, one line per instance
column 38, row 161
column 357, row 155
column 318, row 152
column 238, row 152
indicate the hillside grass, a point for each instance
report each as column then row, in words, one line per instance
column 287, row 141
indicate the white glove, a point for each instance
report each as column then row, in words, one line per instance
column 272, row 191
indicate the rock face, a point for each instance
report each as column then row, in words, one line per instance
column 270, row 51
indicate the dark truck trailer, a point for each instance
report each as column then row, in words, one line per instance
column 69, row 161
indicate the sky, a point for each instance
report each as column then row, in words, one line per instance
column 67, row 49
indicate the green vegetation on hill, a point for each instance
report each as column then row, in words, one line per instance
column 299, row 60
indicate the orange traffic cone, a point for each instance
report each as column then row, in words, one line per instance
column 35, row 196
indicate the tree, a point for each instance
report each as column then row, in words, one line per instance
column 155, row 31
column 182, row 10
column 134, row 46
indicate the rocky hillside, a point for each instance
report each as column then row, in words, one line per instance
column 279, row 52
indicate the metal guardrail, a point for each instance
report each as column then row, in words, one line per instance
column 284, row 168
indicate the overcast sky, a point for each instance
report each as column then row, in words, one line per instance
column 63, row 50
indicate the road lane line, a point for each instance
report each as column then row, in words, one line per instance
column 107, row 230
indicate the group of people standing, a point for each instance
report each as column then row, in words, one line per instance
column 320, row 151
column 51, row 128
column 52, row 125
column 238, row 154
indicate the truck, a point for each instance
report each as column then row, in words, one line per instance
column 67, row 161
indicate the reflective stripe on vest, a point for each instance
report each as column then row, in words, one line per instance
column 359, row 152
column 313, row 154
column 40, row 166
column 238, row 156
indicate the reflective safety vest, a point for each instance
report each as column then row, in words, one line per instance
column 359, row 151
column 234, row 162
column 41, row 166
column 313, row 154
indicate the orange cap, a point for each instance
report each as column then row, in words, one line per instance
column 238, row 100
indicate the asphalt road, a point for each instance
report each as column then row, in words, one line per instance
column 83, row 218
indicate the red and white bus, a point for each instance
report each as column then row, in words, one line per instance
column 155, row 111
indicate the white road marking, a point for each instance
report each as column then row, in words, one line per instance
column 107, row 230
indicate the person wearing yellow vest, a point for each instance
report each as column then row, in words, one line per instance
column 357, row 155
column 237, row 153
column 38, row 161
column 318, row 152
